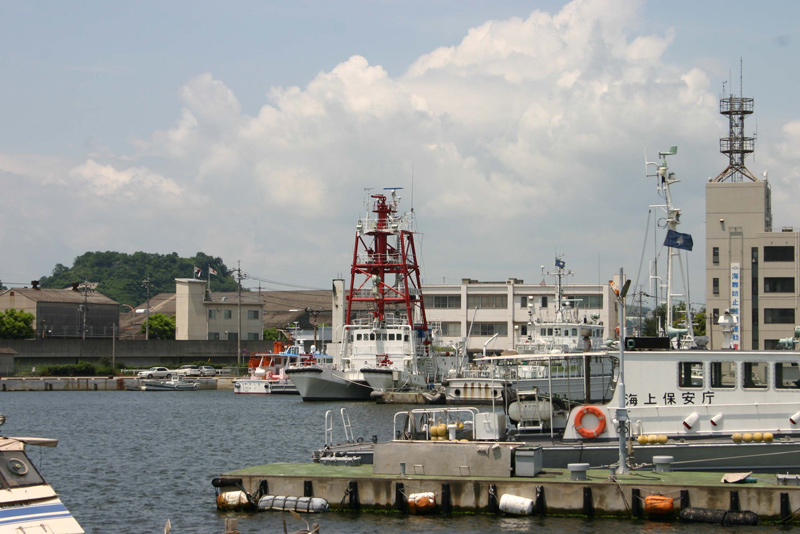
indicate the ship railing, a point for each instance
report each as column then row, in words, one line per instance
column 418, row 424
column 376, row 258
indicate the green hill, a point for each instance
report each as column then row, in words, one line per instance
column 119, row 275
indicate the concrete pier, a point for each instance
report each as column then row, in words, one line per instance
column 94, row 383
column 601, row 494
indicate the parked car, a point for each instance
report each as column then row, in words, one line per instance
column 189, row 370
column 156, row 372
column 207, row 370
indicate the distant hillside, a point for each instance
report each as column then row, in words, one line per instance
column 119, row 275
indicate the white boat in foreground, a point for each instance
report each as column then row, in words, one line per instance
column 27, row 502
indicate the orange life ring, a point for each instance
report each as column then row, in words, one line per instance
column 601, row 422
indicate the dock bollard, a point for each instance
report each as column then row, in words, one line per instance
column 663, row 464
column 577, row 471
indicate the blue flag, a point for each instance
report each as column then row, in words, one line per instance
column 678, row 240
column 560, row 263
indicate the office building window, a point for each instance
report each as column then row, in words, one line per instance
column 490, row 329
column 451, row 329
column 252, row 314
column 715, row 255
column 227, row 314
column 252, row 335
column 715, row 286
column 779, row 253
column 487, row 301
column 233, row 336
column 585, row 301
column 443, row 301
column 779, row 285
column 213, row 335
column 544, row 302
column 212, row 314
column 778, row 315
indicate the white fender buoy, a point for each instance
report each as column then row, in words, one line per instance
column 514, row 505
column 284, row 503
column 716, row 419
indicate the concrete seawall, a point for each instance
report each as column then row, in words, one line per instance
column 95, row 384
column 138, row 353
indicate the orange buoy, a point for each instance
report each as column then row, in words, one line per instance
column 601, row 422
column 658, row 505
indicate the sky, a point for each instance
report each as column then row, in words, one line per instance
column 251, row 130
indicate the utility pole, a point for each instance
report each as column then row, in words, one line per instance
column 85, row 288
column 146, row 285
column 239, row 277
column 313, row 313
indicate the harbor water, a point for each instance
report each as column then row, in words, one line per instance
column 128, row 461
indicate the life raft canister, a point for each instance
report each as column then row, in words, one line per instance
column 601, row 422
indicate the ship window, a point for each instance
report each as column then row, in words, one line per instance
column 391, row 337
column 372, row 337
column 754, row 375
column 358, row 337
column 723, row 375
column 690, row 374
column 574, row 331
column 787, row 375
column 558, row 331
column 549, row 331
column 405, row 337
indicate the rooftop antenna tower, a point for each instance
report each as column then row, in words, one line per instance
column 736, row 146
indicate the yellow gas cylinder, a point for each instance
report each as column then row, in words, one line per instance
column 757, row 437
column 642, row 439
column 652, row 438
column 736, row 437
column 768, row 437
column 662, row 438
column 747, row 437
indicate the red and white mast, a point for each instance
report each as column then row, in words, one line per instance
column 385, row 271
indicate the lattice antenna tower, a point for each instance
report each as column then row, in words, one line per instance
column 736, row 146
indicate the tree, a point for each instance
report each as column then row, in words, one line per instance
column 273, row 334
column 16, row 324
column 161, row 326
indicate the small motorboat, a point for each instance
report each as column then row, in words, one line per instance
column 168, row 385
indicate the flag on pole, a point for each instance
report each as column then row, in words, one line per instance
column 560, row 263
column 678, row 240
column 212, row 271
column 197, row 272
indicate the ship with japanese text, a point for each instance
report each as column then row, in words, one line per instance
column 708, row 410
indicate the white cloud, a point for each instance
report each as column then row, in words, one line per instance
column 525, row 139
column 104, row 180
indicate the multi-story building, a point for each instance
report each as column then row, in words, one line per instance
column 751, row 270
column 479, row 310
column 198, row 315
